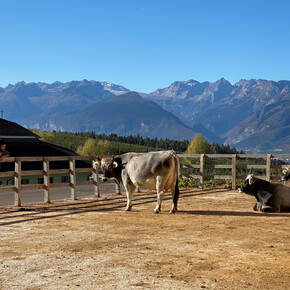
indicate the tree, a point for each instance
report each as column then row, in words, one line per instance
column 198, row 145
column 89, row 148
column 103, row 147
column 45, row 136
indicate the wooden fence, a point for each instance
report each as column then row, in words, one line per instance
column 46, row 172
column 233, row 166
column 203, row 164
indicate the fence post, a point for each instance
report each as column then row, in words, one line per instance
column 46, row 180
column 17, row 183
column 268, row 167
column 234, row 171
column 96, row 179
column 201, row 180
column 72, row 175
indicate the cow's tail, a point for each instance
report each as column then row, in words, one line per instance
column 176, row 192
column 177, row 172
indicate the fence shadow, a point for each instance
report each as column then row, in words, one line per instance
column 32, row 212
column 112, row 203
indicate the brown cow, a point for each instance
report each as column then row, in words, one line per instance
column 270, row 197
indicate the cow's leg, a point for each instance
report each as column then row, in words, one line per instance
column 129, row 187
column 258, row 206
column 255, row 207
column 129, row 192
column 160, row 193
column 275, row 208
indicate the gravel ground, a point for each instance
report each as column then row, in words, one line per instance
column 214, row 241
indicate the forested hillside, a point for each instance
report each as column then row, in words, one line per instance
column 90, row 143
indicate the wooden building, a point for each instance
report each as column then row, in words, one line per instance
column 21, row 142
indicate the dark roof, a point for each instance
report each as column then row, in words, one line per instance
column 39, row 148
column 35, row 148
column 19, row 145
column 8, row 128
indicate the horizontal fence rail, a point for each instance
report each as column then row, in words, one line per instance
column 202, row 164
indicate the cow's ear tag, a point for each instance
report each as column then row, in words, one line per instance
column 115, row 164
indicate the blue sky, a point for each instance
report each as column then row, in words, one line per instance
column 142, row 44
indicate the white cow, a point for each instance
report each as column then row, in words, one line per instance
column 153, row 170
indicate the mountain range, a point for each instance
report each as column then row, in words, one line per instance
column 253, row 115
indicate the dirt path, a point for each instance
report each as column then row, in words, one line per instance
column 215, row 241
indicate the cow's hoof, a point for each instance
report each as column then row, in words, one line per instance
column 156, row 210
column 128, row 209
column 172, row 211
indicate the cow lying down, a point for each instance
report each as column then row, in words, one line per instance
column 153, row 170
column 270, row 197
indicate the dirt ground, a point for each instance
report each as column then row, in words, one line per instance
column 214, row 241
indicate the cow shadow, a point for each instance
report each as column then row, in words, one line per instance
column 233, row 213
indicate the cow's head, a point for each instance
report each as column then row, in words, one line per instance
column 248, row 185
column 285, row 174
column 108, row 165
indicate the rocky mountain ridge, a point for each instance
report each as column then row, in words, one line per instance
column 238, row 114
column 233, row 112
column 126, row 114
